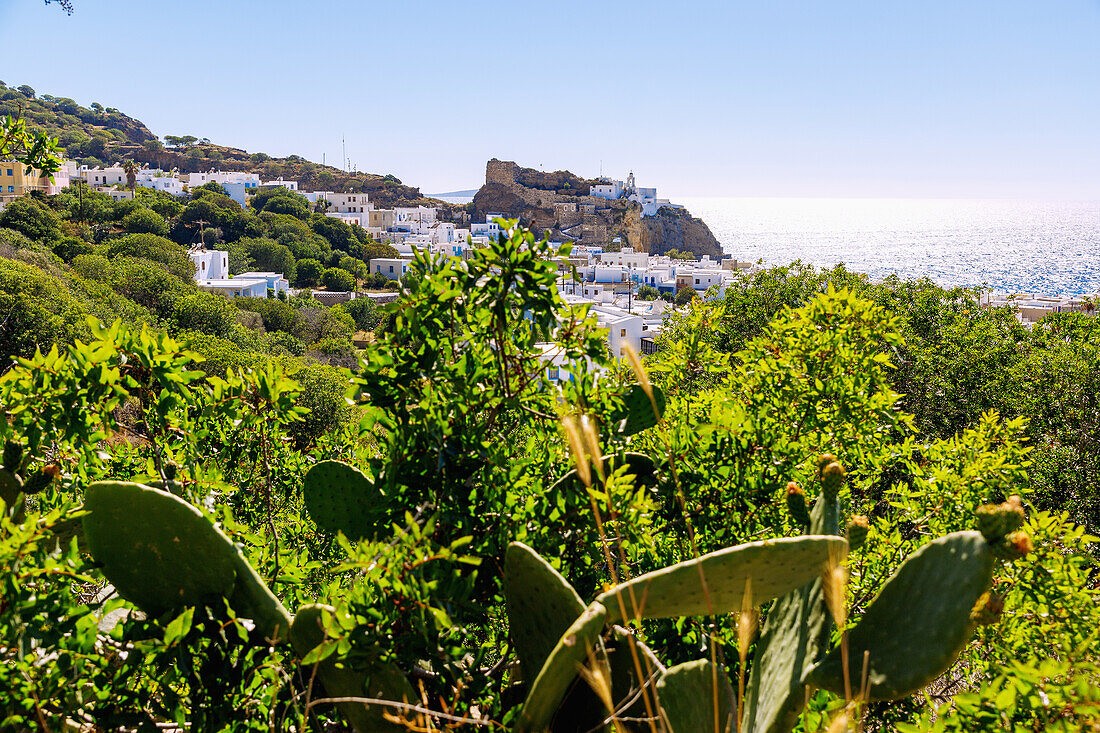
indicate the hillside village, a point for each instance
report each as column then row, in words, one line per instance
column 629, row 291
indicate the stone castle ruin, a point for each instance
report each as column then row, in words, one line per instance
column 560, row 202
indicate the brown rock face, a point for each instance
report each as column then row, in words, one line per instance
column 559, row 202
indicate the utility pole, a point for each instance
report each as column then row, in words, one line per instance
column 201, row 224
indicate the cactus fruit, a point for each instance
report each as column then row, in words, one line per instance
column 794, row 638
column 796, row 504
column 340, row 498
column 857, row 532
column 40, row 479
column 988, row 609
column 715, row 583
column 383, row 682
column 639, row 465
column 557, row 674
column 1013, row 547
column 638, row 414
column 541, row 606
column 999, row 520
column 13, row 456
column 832, row 478
column 687, row 696
column 161, row 554
column 916, row 625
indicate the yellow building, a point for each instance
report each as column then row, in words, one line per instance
column 17, row 179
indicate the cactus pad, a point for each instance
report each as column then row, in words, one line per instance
column 794, row 638
column 686, row 692
column 626, row 684
column 919, row 621
column 560, row 669
column 775, row 567
column 541, row 606
column 11, row 486
column 340, row 498
column 638, row 412
column 383, row 682
column 161, row 554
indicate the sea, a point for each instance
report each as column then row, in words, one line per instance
column 1041, row 247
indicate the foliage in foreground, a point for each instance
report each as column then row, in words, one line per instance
column 462, row 447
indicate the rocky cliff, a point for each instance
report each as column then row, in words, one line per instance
column 559, row 202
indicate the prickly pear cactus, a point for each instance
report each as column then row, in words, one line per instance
column 11, row 486
column 557, row 674
column 794, row 638
column 857, row 530
column 995, row 521
column 340, row 498
column 13, row 456
column 716, row 583
column 627, row 657
column 382, row 682
column 638, row 412
column 919, row 621
column 162, row 554
column 541, row 606
column 687, row 695
column 796, row 504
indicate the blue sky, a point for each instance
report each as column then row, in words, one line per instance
column 778, row 98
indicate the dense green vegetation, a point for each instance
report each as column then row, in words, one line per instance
column 457, row 445
column 80, row 255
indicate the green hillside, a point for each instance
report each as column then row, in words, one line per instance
column 99, row 136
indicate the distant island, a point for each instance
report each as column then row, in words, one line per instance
column 465, row 193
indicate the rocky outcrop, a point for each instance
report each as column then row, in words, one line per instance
column 559, row 202
column 677, row 229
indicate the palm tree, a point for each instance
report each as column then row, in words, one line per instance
column 130, row 168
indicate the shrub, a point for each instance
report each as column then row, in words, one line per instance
column 92, row 267
column 308, row 273
column 323, row 390
column 156, row 249
column 205, row 312
column 685, row 295
column 147, row 283
column 37, row 222
column 364, row 311
column 38, row 311
column 145, row 221
column 338, row 280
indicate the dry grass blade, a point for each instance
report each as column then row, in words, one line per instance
column 576, row 446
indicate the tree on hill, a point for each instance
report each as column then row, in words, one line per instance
column 279, row 200
column 180, row 141
column 145, row 221
column 685, row 295
column 212, row 187
column 336, row 279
